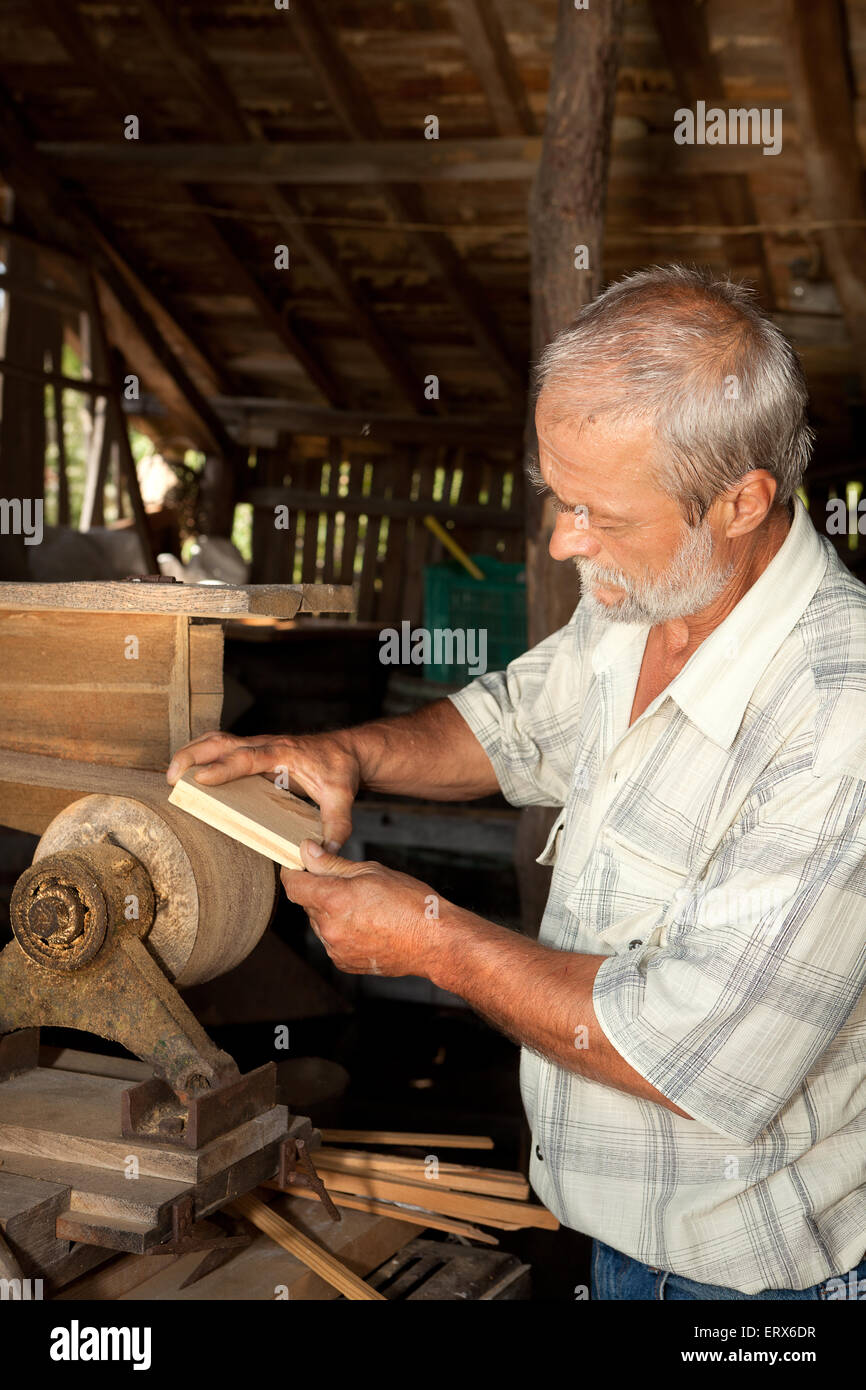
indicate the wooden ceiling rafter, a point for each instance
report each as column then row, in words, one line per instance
column 181, row 46
column 63, row 17
column 480, row 30
column 351, row 103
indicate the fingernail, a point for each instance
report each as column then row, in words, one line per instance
column 332, row 846
column 315, row 850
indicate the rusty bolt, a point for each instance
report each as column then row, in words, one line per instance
column 57, row 915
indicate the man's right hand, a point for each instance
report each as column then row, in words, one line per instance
column 324, row 766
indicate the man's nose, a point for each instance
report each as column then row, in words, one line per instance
column 572, row 537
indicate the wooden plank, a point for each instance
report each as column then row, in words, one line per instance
column 392, row 165
column 404, row 1139
column 469, row 1206
column 389, row 599
column 496, row 430
column 23, row 807
column 195, row 600
column 253, row 811
column 458, row 1176
column 75, row 1118
column 29, row 1208
column 117, row 1278
column 205, row 676
column 427, row 1220
column 485, row 159
column 310, row 548
column 81, row 778
column 94, row 1063
column 264, row 1271
column 349, row 547
column 121, row 681
column 370, row 559
column 321, row 1261
column 179, row 731
column 330, row 505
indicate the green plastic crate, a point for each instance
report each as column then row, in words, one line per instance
column 454, row 600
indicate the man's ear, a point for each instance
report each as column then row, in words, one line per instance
column 749, row 503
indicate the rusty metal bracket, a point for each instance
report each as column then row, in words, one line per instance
column 296, row 1160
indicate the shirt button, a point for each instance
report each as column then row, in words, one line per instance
column 538, row 1154
column 633, row 945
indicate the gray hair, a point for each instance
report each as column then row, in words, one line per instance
column 693, row 355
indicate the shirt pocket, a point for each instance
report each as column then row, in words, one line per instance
column 623, row 897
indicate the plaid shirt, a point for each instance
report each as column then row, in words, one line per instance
column 715, row 854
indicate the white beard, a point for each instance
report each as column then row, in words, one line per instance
column 688, row 585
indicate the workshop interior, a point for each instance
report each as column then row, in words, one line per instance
column 273, row 282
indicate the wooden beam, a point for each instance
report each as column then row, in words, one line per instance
column 191, row 600
column 685, row 38
column 494, row 431
column 384, row 163
column 819, row 67
column 314, row 1256
column 565, row 214
column 492, row 518
column 354, row 108
column 479, row 26
column 47, row 378
column 577, row 137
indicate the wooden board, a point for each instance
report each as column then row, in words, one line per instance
column 33, row 788
column 132, row 687
column 252, row 810
column 29, row 1207
column 191, row 600
column 75, row 1119
column 264, row 1272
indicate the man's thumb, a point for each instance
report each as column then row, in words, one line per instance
column 318, row 861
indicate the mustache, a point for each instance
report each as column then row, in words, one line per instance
column 588, row 569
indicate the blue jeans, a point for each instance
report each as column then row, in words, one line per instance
column 618, row 1276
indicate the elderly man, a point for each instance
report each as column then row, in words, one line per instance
column 692, row 1016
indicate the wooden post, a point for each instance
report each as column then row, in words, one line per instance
column 566, row 212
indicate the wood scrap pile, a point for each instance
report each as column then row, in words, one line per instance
column 424, row 1190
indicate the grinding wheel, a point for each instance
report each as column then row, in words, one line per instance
column 214, row 897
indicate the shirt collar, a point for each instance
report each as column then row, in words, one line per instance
column 714, row 687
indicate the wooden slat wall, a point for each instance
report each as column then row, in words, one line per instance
column 384, row 555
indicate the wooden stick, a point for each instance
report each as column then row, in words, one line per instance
column 456, row 1176
column 399, row 1139
column 429, row 1196
column 377, row 1207
column 320, row 1261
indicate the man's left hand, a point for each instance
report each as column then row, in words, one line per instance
column 371, row 920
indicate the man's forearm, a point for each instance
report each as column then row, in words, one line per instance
column 431, row 752
column 539, row 997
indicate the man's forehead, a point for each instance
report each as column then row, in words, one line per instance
column 605, row 480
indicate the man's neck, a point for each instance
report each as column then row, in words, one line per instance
column 676, row 640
